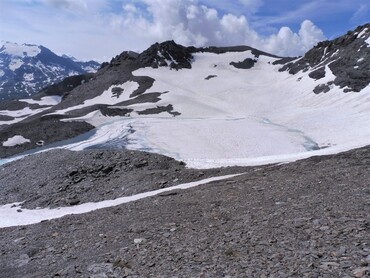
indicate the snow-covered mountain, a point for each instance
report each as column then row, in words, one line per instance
column 26, row 69
column 208, row 106
column 347, row 57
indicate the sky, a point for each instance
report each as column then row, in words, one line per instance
column 102, row 29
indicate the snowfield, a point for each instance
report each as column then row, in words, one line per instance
column 237, row 117
column 107, row 97
column 26, row 112
column 231, row 116
column 15, row 64
column 17, row 50
column 48, row 100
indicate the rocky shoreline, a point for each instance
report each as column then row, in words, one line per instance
column 304, row 219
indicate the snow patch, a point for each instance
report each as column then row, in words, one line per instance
column 368, row 41
column 362, row 33
column 15, row 64
column 19, row 115
column 89, row 69
column 48, row 100
column 335, row 53
column 15, row 140
column 18, row 50
column 107, row 97
column 95, row 118
column 9, row 215
column 28, row 77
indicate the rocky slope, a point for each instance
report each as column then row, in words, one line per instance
column 64, row 177
column 347, row 57
column 26, row 69
column 303, row 219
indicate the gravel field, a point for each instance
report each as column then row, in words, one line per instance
column 304, row 219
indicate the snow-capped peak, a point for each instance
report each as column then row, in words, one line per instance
column 26, row 69
column 70, row 57
column 20, row 50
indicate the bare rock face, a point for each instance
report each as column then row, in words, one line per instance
column 348, row 57
column 167, row 54
column 65, row 86
column 246, row 64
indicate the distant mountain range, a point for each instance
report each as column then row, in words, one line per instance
column 26, row 69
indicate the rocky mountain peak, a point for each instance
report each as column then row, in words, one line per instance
column 173, row 55
column 121, row 58
column 166, row 54
column 357, row 38
column 346, row 56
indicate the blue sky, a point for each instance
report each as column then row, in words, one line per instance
column 334, row 17
column 101, row 29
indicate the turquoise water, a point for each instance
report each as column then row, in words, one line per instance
column 3, row 161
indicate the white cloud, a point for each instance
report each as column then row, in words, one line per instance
column 361, row 14
column 287, row 43
column 237, row 7
column 71, row 5
column 190, row 23
column 129, row 8
column 74, row 26
column 252, row 5
column 310, row 34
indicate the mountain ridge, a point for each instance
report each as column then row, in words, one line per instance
column 131, row 85
column 26, row 69
column 345, row 56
